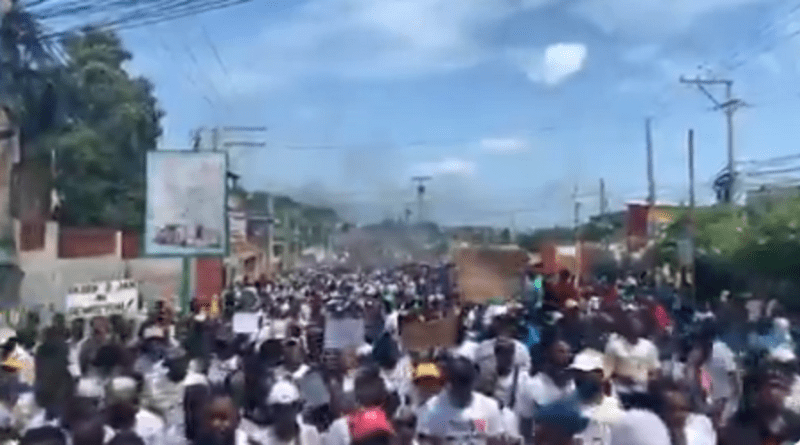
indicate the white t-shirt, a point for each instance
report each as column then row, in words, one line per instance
column 150, row 427
column 720, row 365
column 308, row 435
column 467, row 349
column 338, row 433
column 485, row 357
column 640, row 427
column 632, row 360
column 601, row 419
column 699, row 430
column 510, row 423
column 537, row 391
column 472, row 425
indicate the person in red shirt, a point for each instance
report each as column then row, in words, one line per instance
column 564, row 289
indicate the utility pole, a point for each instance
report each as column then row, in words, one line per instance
column 577, row 239
column 603, row 202
column 729, row 106
column 651, row 182
column 604, row 211
column 691, row 170
column 420, row 180
column 691, row 228
column 513, row 237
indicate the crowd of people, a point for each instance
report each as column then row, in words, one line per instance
column 617, row 364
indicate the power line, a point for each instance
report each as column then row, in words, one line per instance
column 774, row 172
column 760, row 33
column 215, row 52
column 145, row 16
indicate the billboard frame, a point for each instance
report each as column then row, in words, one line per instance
column 226, row 249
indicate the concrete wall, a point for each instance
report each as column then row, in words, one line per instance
column 48, row 277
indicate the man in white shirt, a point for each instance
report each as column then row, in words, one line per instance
column 484, row 355
column 123, row 399
column 284, row 403
column 293, row 367
column 595, row 403
column 632, row 361
column 549, row 385
column 459, row 415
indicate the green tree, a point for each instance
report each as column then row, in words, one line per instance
column 114, row 121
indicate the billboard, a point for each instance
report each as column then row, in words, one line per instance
column 186, row 204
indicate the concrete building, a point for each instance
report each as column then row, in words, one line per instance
column 66, row 257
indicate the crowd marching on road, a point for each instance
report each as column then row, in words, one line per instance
column 325, row 357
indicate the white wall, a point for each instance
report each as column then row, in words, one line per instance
column 47, row 277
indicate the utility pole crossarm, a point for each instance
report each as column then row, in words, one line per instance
column 729, row 106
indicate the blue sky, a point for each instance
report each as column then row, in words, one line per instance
column 508, row 104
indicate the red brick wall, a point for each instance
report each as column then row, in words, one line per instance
column 130, row 245
column 86, row 242
column 209, row 278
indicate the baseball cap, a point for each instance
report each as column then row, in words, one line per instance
column 283, row 393
column 427, row 370
column 369, row 423
column 588, row 360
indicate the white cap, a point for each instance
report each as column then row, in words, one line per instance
column 89, row 388
column 283, row 393
column 588, row 360
column 122, row 389
column 782, row 354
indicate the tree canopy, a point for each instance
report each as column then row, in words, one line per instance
column 748, row 242
column 84, row 107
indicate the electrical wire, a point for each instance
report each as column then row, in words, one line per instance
column 763, row 31
column 154, row 12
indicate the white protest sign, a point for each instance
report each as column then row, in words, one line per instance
column 342, row 333
column 246, row 323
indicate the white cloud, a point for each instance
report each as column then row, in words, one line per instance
column 555, row 64
column 446, row 167
column 504, row 145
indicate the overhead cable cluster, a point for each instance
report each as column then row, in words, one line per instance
column 117, row 14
